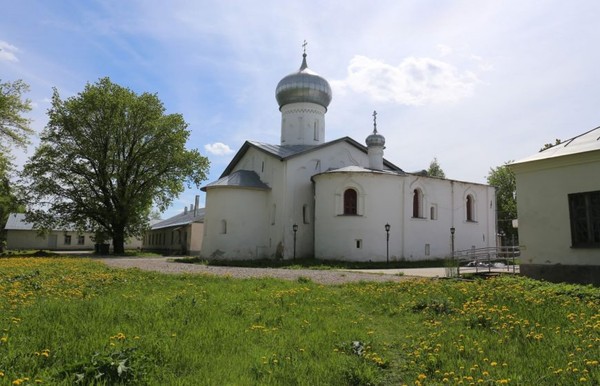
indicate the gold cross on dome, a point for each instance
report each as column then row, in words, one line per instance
column 304, row 45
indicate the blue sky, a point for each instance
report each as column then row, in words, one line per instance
column 473, row 83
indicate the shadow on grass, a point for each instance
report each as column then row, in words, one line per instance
column 313, row 263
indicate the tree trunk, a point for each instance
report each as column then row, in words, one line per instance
column 119, row 241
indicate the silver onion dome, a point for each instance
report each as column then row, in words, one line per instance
column 304, row 85
column 375, row 139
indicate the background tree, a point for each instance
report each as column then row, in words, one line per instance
column 14, row 131
column 14, row 128
column 549, row 145
column 106, row 156
column 435, row 170
column 503, row 179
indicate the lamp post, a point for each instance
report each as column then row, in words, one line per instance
column 295, row 229
column 501, row 235
column 452, row 230
column 387, row 248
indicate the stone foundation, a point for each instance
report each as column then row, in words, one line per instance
column 557, row 273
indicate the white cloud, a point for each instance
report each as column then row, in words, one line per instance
column 7, row 52
column 218, row 148
column 415, row 81
column 444, row 50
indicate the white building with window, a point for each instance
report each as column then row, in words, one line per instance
column 306, row 197
column 558, row 202
column 21, row 234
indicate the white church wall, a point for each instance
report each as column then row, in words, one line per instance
column 430, row 238
column 233, row 219
column 359, row 237
column 388, row 199
column 272, row 172
column 300, row 195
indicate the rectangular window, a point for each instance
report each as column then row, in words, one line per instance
column 80, row 240
column 67, row 239
column 358, row 244
column 584, row 213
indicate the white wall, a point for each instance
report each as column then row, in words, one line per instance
column 543, row 208
column 235, row 221
column 387, row 199
column 29, row 239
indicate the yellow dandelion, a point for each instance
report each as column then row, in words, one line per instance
column 422, row 377
column 582, row 379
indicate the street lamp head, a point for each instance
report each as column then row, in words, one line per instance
column 295, row 227
column 387, row 227
column 452, row 230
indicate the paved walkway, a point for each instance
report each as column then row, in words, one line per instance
column 420, row 272
column 431, row 272
column 333, row 276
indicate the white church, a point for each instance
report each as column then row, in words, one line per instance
column 336, row 200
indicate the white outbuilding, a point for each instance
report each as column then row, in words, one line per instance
column 306, row 197
column 558, row 201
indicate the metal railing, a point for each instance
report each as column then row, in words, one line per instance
column 492, row 259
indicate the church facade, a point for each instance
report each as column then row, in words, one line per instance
column 306, row 197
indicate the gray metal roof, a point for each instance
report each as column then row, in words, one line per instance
column 283, row 152
column 16, row 221
column 241, row 179
column 586, row 142
column 185, row 218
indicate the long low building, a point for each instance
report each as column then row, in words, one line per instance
column 21, row 234
column 181, row 234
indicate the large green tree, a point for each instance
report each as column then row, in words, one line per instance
column 503, row 178
column 106, row 157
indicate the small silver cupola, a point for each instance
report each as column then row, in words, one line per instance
column 375, row 145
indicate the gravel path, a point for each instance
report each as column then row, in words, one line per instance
column 317, row 276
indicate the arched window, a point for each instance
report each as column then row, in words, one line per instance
column 417, row 203
column 223, row 227
column 470, row 208
column 350, row 200
column 305, row 218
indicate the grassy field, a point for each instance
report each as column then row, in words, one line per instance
column 74, row 320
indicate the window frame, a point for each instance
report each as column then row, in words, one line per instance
column 350, row 204
column 417, row 203
column 470, row 208
column 590, row 216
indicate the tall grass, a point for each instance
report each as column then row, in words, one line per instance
column 68, row 320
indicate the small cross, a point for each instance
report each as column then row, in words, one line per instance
column 374, row 121
column 304, row 45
